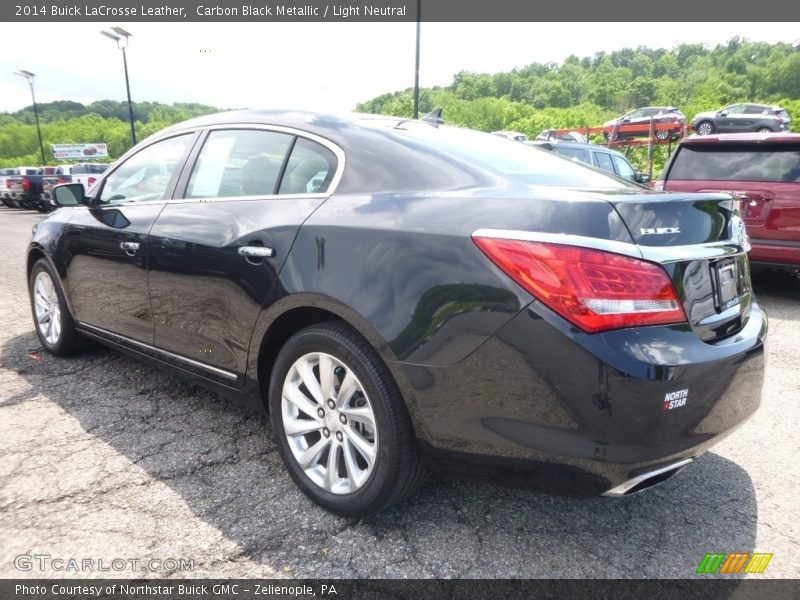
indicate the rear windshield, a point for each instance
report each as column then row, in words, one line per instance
column 527, row 164
column 779, row 163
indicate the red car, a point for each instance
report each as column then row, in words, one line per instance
column 763, row 171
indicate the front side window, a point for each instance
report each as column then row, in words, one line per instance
column 146, row 175
column 239, row 162
column 603, row 161
column 624, row 168
column 735, row 109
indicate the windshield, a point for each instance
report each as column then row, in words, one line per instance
column 526, row 164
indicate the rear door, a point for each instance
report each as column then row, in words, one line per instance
column 218, row 246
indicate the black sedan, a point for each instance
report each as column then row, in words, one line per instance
column 393, row 292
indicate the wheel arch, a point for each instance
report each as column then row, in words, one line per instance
column 289, row 315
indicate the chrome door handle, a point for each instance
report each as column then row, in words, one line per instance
column 130, row 248
column 256, row 251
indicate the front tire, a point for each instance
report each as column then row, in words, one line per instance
column 51, row 317
column 340, row 422
column 764, row 130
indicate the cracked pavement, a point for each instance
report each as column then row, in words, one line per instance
column 103, row 456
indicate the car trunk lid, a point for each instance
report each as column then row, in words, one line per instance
column 700, row 241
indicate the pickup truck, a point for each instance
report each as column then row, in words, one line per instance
column 26, row 187
column 6, row 178
column 83, row 173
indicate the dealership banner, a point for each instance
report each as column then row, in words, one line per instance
column 79, row 151
column 709, row 11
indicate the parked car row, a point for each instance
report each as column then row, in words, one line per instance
column 30, row 187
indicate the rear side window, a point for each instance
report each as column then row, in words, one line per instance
column 778, row 163
column 310, row 169
column 523, row 163
column 576, row 153
column 239, row 162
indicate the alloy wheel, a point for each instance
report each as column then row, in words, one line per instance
column 47, row 308
column 704, row 128
column 329, row 423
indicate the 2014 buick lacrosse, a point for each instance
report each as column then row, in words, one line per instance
column 395, row 291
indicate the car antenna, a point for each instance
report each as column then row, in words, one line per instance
column 432, row 118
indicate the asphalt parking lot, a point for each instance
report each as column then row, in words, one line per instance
column 103, row 457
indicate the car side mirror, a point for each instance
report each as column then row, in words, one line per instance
column 626, row 119
column 723, row 113
column 644, row 178
column 69, row 194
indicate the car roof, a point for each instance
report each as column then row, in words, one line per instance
column 582, row 145
column 742, row 138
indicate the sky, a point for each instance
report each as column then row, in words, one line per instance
column 326, row 66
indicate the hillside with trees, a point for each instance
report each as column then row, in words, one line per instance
column 584, row 92
column 66, row 122
column 580, row 92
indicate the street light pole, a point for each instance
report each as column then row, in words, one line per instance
column 29, row 76
column 416, row 66
column 121, row 37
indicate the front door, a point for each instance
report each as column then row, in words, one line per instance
column 106, row 242
column 216, row 250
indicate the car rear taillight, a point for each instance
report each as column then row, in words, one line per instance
column 26, row 184
column 62, row 180
column 92, row 180
column 658, row 185
column 593, row 289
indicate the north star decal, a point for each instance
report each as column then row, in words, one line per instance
column 675, row 399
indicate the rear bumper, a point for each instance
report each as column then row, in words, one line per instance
column 610, row 406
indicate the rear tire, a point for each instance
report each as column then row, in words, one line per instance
column 705, row 128
column 764, row 130
column 51, row 317
column 350, row 448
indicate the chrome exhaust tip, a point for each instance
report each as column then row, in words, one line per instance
column 646, row 480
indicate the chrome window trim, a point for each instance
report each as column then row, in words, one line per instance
column 658, row 254
column 336, row 149
column 126, row 340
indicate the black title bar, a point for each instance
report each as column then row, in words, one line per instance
column 709, row 11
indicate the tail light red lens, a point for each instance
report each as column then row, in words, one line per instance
column 62, row 180
column 26, row 184
column 594, row 290
column 92, row 180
